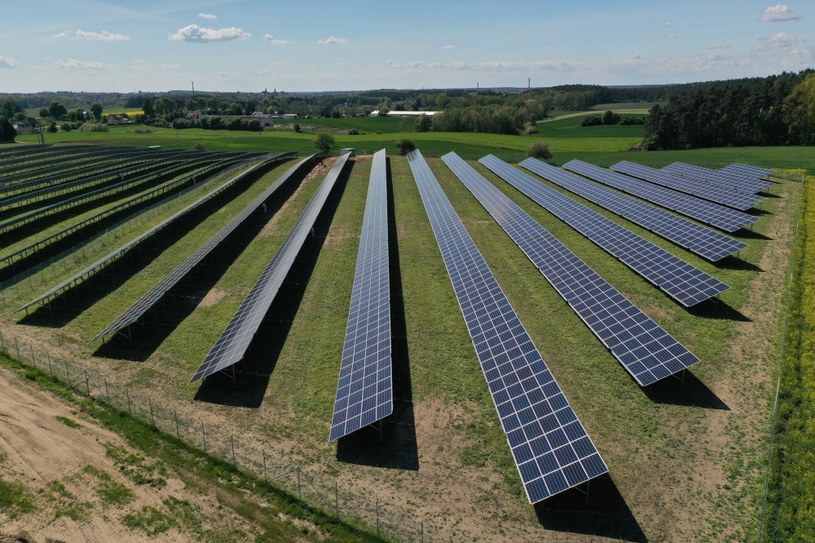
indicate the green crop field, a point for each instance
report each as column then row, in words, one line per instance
column 687, row 459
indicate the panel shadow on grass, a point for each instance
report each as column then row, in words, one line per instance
column 246, row 385
column 685, row 389
column 735, row 262
column 155, row 326
column 392, row 443
column 719, row 310
column 602, row 512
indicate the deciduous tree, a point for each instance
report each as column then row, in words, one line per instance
column 324, row 142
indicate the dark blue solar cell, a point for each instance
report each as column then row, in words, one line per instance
column 565, row 455
column 556, row 482
column 574, row 473
column 529, row 471
column 548, row 463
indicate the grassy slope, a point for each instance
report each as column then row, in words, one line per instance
column 624, row 422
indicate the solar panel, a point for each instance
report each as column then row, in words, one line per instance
column 137, row 310
column 236, row 338
column 550, row 446
column 644, row 349
column 713, row 193
column 721, row 178
column 364, row 387
column 696, row 238
column 723, row 218
column 678, row 279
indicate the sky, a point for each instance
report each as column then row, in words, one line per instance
column 321, row 45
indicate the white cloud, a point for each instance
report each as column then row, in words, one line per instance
column 391, row 64
column 333, row 40
column 669, row 24
column 672, row 35
column 100, row 36
column 779, row 12
column 74, row 64
column 781, row 41
column 448, row 46
column 276, row 41
column 718, row 45
column 195, row 33
column 207, row 16
column 61, row 35
column 6, row 62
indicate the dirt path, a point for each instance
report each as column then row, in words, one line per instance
column 80, row 476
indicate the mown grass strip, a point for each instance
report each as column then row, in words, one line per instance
column 791, row 501
column 261, row 503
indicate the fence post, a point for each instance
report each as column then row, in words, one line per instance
column 377, row 516
column 107, row 392
column 17, row 347
column 204, row 435
column 152, row 418
column 2, row 342
column 50, row 368
column 177, row 433
column 68, row 373
column 265, row 477
column 129, row 408
column 299, row 492
column 232, row 441
column 337, row 499
column 87, row 383
column 33, row 358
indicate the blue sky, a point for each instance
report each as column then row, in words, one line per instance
column 249, row 45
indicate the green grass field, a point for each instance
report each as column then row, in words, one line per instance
column 602, row 145
column 687, row 461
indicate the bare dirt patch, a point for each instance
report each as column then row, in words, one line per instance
column 317, row 172
column 62, row 460
column 212, row 298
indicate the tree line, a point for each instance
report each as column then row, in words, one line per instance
column 775, row 110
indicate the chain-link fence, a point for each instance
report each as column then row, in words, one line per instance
column 384, row 517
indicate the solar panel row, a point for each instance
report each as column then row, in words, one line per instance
column 364, row 387
column 723, row 218
column 236, row 338
column 137, row 310
column 550, row 446
column 681, row 281
column 713, row 193
column 73, row 201
column 724, row 179
column 705, row 242
column 644, row 349
column 114, row 255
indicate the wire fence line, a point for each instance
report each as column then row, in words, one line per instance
column 384, row 517
column 789, row 279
